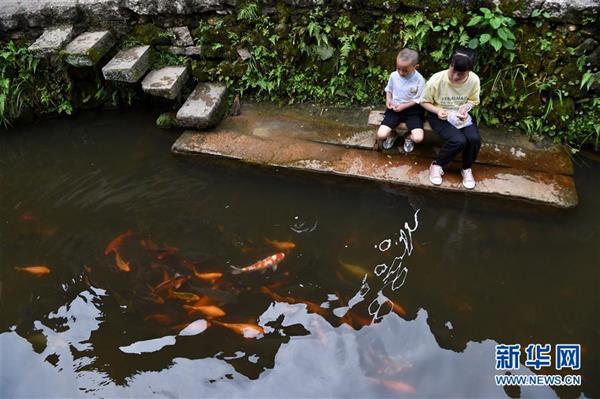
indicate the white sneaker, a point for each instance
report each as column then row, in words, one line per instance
column 389, row 142
column 409, row 145
column 435, row 174
column 468, row 179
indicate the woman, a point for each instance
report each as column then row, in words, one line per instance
column 449, row 96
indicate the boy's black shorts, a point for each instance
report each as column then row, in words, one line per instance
column 413, row 117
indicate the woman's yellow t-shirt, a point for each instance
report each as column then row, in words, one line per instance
column 444, row 94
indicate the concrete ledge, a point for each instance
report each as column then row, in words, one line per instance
column 535, row 187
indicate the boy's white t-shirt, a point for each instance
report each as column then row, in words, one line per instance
column 405, row 89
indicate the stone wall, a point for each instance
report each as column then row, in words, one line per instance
column 22, row 15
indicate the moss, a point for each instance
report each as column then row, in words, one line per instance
column 150, row 34
column 166, row 120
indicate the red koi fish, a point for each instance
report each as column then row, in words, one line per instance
column 117, row 242
column 262, row 265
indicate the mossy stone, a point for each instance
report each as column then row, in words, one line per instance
column 166, row 120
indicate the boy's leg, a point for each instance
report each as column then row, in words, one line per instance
column 454, row 140
column 417, row 135
column 391, row 119
column 414, row 117
column 472, row 146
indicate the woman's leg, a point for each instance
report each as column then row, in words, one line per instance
column 454, row 140
column 472, row 146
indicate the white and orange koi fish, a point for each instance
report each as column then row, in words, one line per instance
column 262, row 265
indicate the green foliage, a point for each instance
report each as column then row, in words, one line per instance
column 27, row 82
column 494, row 30
column 248, row 12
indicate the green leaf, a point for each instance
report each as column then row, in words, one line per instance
column 485, row 38
column 473, row 43
column 502, row 34
column 474, row 20
column 495, row 22
column 486, row 12
column 509, row 44
column 496, row 43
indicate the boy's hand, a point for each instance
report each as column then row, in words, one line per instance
column 389, row 104
column 442, row 114
column 398, row 108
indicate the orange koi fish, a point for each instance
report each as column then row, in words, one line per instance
column 121, row 264
column 184, row 296
column 117, row 242
column 37, row 271
column 398, row 309
column 166, row 252
column 246, row 329
column 281, row 245
column 172, row 283
column 209, row 311
column 262, row 265
column 150, row 245
column 208, row 276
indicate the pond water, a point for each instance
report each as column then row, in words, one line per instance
column 447, row 277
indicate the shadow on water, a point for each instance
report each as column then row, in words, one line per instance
column 474, row 274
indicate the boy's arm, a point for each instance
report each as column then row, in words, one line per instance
column 403, row 106
column 388, row 100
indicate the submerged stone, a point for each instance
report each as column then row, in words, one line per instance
column 128, row 65
column 166, row 82
column 88, row 48
column 52, row 40
column 205, row 107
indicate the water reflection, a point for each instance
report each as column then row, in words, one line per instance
column 472, row 278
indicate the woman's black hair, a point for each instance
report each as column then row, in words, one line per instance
column 463, row 59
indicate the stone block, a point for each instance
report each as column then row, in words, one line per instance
column 88, row 48
column 166, row 82
column 128, row 65
column 205, row 107
column 51, row 41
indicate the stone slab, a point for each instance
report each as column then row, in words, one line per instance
column 205, row 107
column 284, row 152
column 128, row 65
column 88, row 48
column 166, row 82
column 497, row 148
column 52, row 40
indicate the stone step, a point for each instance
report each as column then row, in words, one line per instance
column 88, row 48
column 128, row 65
column 51, row 41
column 205, row 107
column 412, row 171
column 501, row 148
column 166, row 82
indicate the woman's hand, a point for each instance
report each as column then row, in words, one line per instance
column 462, row 115
column 442, row 114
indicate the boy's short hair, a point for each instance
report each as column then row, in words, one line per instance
column 408, row 54
column 463, row 59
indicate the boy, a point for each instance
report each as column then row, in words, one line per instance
column 402, row 95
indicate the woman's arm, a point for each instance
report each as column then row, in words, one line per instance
column 440, row 112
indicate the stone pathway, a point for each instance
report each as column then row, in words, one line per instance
column 51, row 41
column 166, row 82
column 276, row 137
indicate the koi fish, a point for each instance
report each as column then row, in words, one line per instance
column 37, row 271
column 208, row 276
column 166, row 252
column 149, row 245
column 246, row 329
column 28, row 217
column 262, row 265
column 117, row 242
column 209, row 311
column 121, row 264
column 184, row 296
column 173, row 283
column 393, row 385
column 398, row 309
column 355, row 270
column 159, row 318
column 281, row 245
